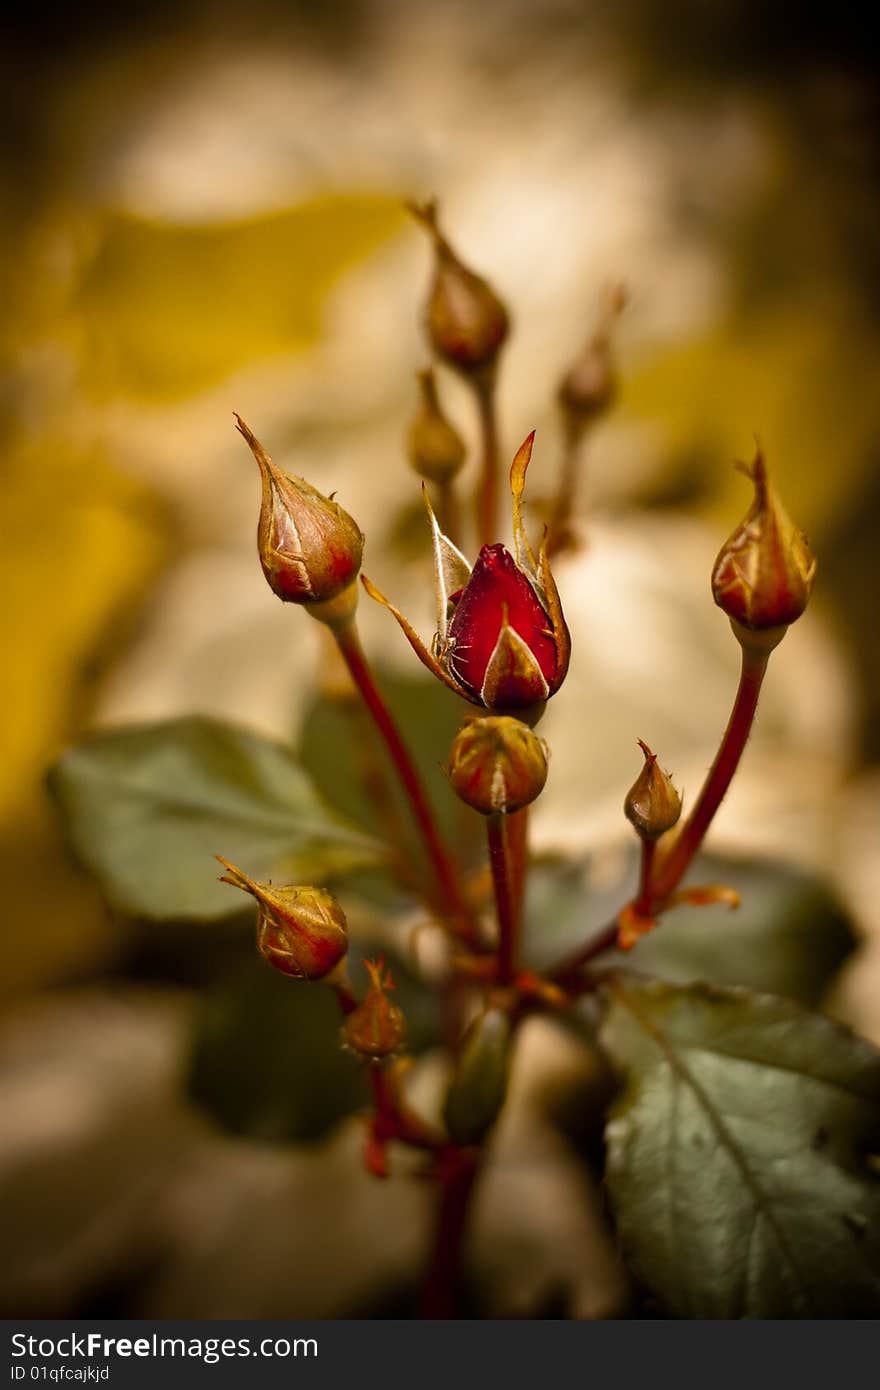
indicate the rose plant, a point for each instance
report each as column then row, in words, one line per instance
column 738, row 1140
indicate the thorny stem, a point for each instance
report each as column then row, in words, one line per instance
column 459, row 1167
column 674, row 864
column 393, row 1119
column 505, row 905
column 457, row 1181
column 375, row 785
column 449, row 896
column 658, row 882
column 487, row 489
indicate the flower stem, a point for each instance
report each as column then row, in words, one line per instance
column 487, row 490
column 448, row 510
column 450, row 899
column 460, row 1170
column 518, row 850
column 646, row 869
column 565, row 502
column 659, row 881
column 503, row 880
column 675, row 863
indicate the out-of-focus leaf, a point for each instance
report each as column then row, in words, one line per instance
column 267, row 1060
column 166, row 309
column 737, row 1154
column 81, row 542
column 148, row 807
column 788, row 936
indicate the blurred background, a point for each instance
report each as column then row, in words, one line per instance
column 202, row 213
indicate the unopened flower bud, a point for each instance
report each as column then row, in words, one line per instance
column 377, row 1026
column 501, row 640
column 300, row 931
column 310, row 549
column 764, row 573
column 479, row 1085
column 589, row 387
column 436, row 449
column 501, row 646
column 652, row 805
column 497, row 764
column 467, row 322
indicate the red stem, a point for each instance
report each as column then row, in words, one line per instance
column 502, row 882
column 656, row 887
column 517, row 851
column 487, row 490
column 457, row 1185
column 450, row 897
column 675, row 863
column 643, row 901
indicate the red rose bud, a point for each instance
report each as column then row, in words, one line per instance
column 436, row 450
column 500, row 647
column 300, row 931
column 376, row 1027
column 310, row 549
column 501, row 638
column 467, row 322
column 652, row 804
column 764, row 573
column 497, row 764
column 589, row 386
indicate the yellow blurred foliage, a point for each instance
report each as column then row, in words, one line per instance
column 82, row 543
column 797, row 374
column 166, row 310
column 151, row 312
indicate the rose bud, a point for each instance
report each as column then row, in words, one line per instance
column 300, row 931
column 467, row 322
column 436, row 450
column 310, row 549
column 652, row 804
column 589, row 386
column 497, row 764
column 501, row 640
column 376, row 1027
column 479, row 1085
column 764, row 573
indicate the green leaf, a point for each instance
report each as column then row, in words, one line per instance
column 267, row 1061
column 737, row 1154
column 340, row 748
column 147, row 807
column 789, row 935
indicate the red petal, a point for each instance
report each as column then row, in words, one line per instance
column 497, row 587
